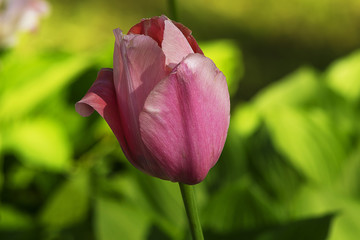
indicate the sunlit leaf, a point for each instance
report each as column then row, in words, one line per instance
column 308, row 141
column 245, row 120
column 268, row 168
column 351, row 174
column 45, row 77
column 40, row 143
column 69, row 204
column 343, row 76
column 298, row 88
column 228, row 58
column 347, row 225
column 316, row 201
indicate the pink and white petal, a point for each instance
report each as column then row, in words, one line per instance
column 101, row 97
column 185, row 119
column 187, row 33
column 144, row 66
column 139, row 64
column 154, row 28
column 174, row 44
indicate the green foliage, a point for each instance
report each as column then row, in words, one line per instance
column 297, row 89
column 40, row 143
column 69, row 204
column 312, row 228
column 118, row 219
column 229, row 60
column 13, row 219
column 308, row 141
column 343, row 77
column 39, row 78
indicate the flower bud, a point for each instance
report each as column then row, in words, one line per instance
column 167, row 103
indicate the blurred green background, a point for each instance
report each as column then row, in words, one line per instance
column 290, row 168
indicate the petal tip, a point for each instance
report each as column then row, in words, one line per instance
column 83, row 109
column 118, row 35
column 106, row 70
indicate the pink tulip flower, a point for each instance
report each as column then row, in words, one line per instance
column 167, row 104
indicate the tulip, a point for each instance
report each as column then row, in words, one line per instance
column 167, row 104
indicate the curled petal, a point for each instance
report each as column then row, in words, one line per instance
column 101, row 97
column 185, row 119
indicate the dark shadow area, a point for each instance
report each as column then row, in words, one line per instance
column 309, row 229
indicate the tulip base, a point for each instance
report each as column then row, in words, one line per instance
column 188, row 196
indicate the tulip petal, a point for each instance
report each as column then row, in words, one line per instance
column 187, row 33
column 101, row 97
column 185, row 119
column 152, row 27
column 174, row 44
column 139, row 64
column 173, row 37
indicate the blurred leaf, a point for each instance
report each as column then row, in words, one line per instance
column 165, row 200
column 19, row 234
column 69, row 204
column 343, row 76
column 313, row 228
column 347, row 225
column 323, row 26
column 120, row 220
column 319, row 200
column 309, row 142
column 40, row 143
column 46, row 75
column 238, row 204
column 125, row 187
column 161, row 200
column 228, row 58
column 104, row 56
column 13, row 219
column 310, row 229
column 1, row 161
column 232, row 164
column 67, row 16
column 263, row 156
column 349, row 182
column 156, row 234
column 298, row 88
column 245, row 120
column 20, row 177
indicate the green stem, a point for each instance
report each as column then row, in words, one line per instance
column 172, row 10
column 188, row 196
